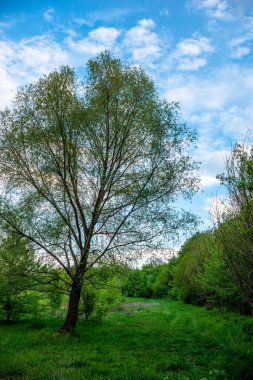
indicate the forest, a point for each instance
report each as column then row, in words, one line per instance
column 90, row 174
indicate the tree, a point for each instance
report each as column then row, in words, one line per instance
column 163, row 285
column 235, row 221
column 219, row 286
column 137, row 284
column 94, row 168
column 193, row 255
column 16, row 262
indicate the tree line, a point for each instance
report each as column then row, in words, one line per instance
column 214, row 268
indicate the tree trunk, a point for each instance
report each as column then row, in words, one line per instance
column 72, row 314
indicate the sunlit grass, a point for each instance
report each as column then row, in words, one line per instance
column 166, row 340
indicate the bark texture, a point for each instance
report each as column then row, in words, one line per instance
column 72, row 314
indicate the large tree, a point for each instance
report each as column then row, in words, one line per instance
column 94, row 167
column 235, row 220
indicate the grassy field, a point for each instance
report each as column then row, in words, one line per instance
column 141, row 340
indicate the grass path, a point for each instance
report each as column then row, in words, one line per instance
column 156, row 340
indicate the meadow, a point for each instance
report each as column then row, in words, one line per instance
column 138, row 340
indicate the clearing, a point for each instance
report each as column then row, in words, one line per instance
column 146, row 340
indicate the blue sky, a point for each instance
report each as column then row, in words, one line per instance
column 199, row 53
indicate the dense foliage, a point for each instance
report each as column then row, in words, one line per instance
column 17, row 264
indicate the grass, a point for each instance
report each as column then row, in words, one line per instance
column 138, row 341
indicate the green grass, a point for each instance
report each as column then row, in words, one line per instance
column 157, row 340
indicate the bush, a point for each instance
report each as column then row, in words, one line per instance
column 97, row 302
column 137, row 284
column 89, row 300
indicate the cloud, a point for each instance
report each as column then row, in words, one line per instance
column 7, row 88
column 236, row 120
column 214, row 91
column 189, row 54
column 207, row 180
column 242, row 46
column 212, row 157
column 196, row 93
column 218, row 9
column 49, row 14
column 23, row 62
column 218, row 103
column 248, row 23
column 91, row 18
column 194, row 46
column 70, row 32
column 213, row 105
column 106, row 36
column 39, row 55
column 8, row 21
column 7, row 24
column 97, row 40
column 188, row 64
column 142, row 43
column 240, row 52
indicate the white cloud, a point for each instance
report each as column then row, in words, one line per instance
column 236, row 121
column 240, row 51
column 8, row 86
column 49, row 14
column 216, row 91
column 207, row 180
column 188, row 64
column 142, row 43
column 97, row 40
column 194, row 46
column 70, row 32
column 24, row 62
column 190, row 54
column 7, row 24
column 218, row 9
column 106, row 36
column 241, row 46
column 219, row 105
column 39, row 55
column 8, row 21
column 212, row 158
column 147, row 23
column 91, row 18
column 231, row 121
column 248, row 23
column 194, row 93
